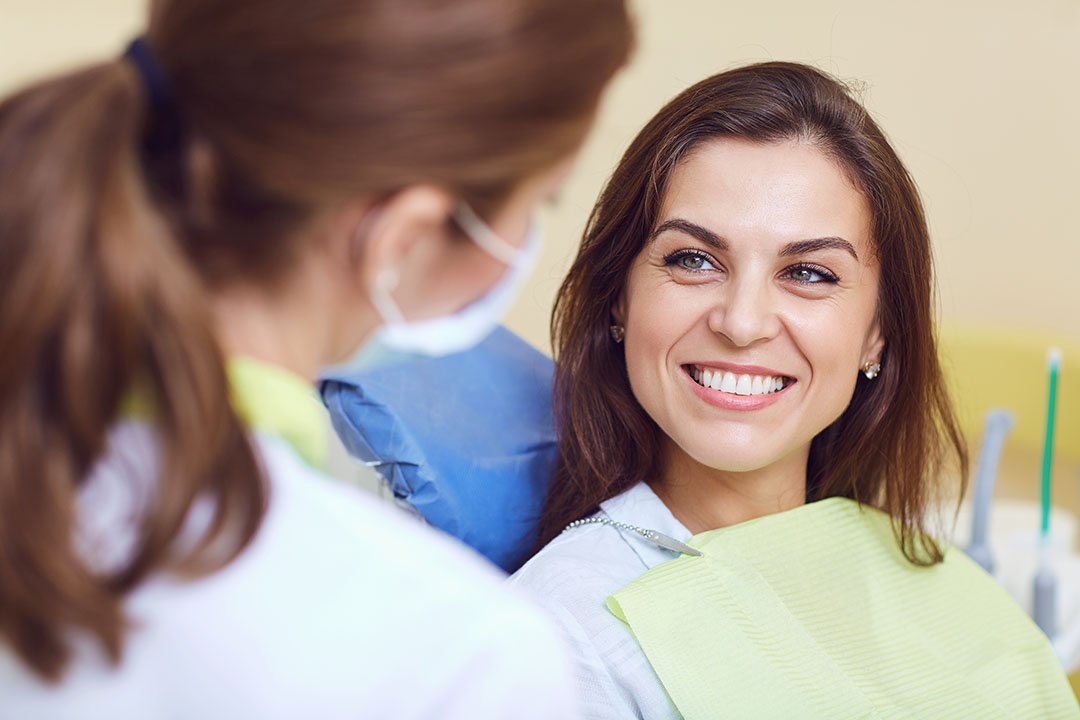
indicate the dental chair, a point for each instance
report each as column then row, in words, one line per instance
column 994, row 372
column 467, row 441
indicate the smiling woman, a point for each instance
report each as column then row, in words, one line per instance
column 749, row 284
column 746, row 371
column 744, row 230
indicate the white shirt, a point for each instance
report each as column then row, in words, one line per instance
column 341, row 607
column 573, row 576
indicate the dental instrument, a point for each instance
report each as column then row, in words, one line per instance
column 1044, row 608
column 999, row 423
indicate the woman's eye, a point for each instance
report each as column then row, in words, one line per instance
column 810, row 275
column 692, row 261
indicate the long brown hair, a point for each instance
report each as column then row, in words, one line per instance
column 118, row 215
column 899, row 430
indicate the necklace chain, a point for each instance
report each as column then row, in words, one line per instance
column 652, row 536
column 596, row 519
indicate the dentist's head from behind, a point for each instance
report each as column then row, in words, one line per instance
column 273, row 179
column 748, row 325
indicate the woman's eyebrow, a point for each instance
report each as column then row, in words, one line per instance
column 705, row 236
column 799, row 247
column 806, row 246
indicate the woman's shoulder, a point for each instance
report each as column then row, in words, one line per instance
column 339, row 517
column 308, row 513
column 589, row 560
column 399, row 570
column 338, row 591
column 598, row 555
column 572, row 577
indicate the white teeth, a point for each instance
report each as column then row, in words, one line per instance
column 737, row 384
column 729, row 383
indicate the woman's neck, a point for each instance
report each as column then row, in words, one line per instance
column 248, row 325
column 703, row 498
column 303, row 329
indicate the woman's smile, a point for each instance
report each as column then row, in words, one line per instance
column 735, row 387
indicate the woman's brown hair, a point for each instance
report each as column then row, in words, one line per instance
column 898, row 432
column 121, row 210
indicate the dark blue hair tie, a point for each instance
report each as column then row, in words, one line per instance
column 164, row 130
column 153, row 80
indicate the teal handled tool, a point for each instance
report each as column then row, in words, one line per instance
column 1044, row 607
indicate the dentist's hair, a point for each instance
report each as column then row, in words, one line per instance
column 120, row 211
column 899, row 431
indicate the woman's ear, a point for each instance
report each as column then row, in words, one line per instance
column 618, row 310
column 874, row 345
column 395, row 229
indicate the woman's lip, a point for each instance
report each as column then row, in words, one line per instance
column 727, row 401
column 735, row 368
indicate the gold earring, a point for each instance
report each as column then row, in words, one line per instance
column 871, row 369
column 618, row 332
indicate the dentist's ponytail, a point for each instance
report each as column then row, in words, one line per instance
column 99, row 307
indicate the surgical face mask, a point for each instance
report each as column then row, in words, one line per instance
column 399, row 338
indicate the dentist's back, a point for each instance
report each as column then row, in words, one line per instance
column 188, row 235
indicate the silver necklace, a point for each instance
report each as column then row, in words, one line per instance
column 657, row 538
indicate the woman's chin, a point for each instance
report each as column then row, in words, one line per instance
column 730, row 459
column 740, row 451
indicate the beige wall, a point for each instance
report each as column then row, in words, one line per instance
column 982, row 100
column 41, row 36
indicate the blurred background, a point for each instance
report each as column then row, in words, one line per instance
column 980, row 98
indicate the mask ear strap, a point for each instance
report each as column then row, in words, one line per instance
column 386, row 281
column 484, row 236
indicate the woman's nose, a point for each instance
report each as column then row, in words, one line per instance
column 744, row 312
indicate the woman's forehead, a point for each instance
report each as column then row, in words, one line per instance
column 780, row 192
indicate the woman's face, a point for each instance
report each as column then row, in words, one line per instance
column 751, row 309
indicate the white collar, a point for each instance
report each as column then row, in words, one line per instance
column 642, row 507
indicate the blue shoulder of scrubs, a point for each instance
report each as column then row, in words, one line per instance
column 466, row 439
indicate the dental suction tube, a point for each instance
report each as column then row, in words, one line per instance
column 999, row 423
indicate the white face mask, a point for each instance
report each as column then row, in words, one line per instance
column 466, row 327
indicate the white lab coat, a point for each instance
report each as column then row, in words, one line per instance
column 342, row 607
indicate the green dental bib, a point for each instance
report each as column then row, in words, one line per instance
column 815, row 613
